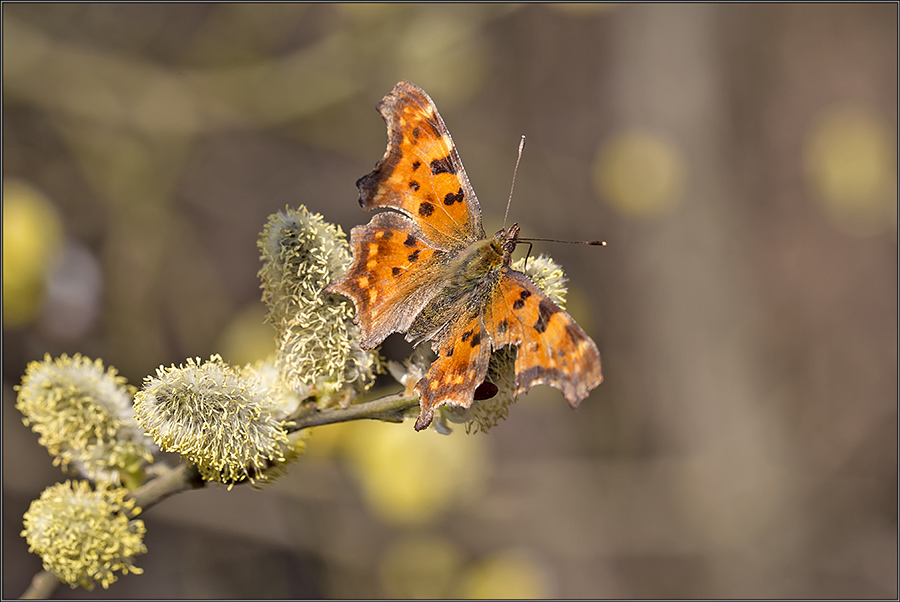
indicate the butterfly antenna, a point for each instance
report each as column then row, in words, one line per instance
column 513, row 185
column 596, row 243
column 528, row 241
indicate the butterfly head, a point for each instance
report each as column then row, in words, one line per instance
column 508, row 239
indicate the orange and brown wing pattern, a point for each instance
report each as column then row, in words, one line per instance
column 551, row 348
column 461, row 366
column 421, row 173
column 393, row 275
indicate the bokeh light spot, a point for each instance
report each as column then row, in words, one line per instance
column 422, row 567
column 32, row 238
column 850, row 164
column 639, row 173
column 248, row 338
column 511, row 575
column 409, row 477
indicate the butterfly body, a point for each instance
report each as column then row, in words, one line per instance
column 481, row 259
column 472, row 275
column 425, row 267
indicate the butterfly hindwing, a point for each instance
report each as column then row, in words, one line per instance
column 462, row 363
column 393, row 275
column 551, row 348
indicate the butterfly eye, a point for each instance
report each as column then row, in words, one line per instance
column 485, row 390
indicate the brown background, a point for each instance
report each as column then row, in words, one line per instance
column 744, row 443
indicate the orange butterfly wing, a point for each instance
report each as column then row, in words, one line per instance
column 394, row 273
column 399, row 256
column 510, row 309
column 421, row 173
column 551, row 348
column 462, row 363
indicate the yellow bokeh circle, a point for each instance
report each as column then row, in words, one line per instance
column 639, row 173
column 32, row 239
column 410, row 477
column 850, row 165
column 421, row 567
column 509, row 575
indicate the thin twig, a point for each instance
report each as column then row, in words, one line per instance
column 174, row 480
column 42, row 586
column 389, row 408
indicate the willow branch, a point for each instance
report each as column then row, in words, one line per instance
column 185, row 476
column 389, row 408
column 42, row 586
column 176, row 479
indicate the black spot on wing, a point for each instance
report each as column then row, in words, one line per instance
column 395, row 271
column 426, row 209
column 502, row 327
column 545, row 311
column 414, row 256
column 413, row 184
column 451, row 198
column 520, row 302
column 410, row 240
column 476, row 339
column 416, row 165
column 444, row 165
column 466, row 335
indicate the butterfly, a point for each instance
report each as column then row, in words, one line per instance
column 425, row 267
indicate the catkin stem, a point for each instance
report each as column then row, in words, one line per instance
column 389, row 408
column 174, row 480
column 42, row 586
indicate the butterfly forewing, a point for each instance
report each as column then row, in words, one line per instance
column 421, row 174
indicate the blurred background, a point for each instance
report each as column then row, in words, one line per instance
column 740, row 161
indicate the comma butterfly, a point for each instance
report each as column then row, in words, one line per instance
column 427, row 269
